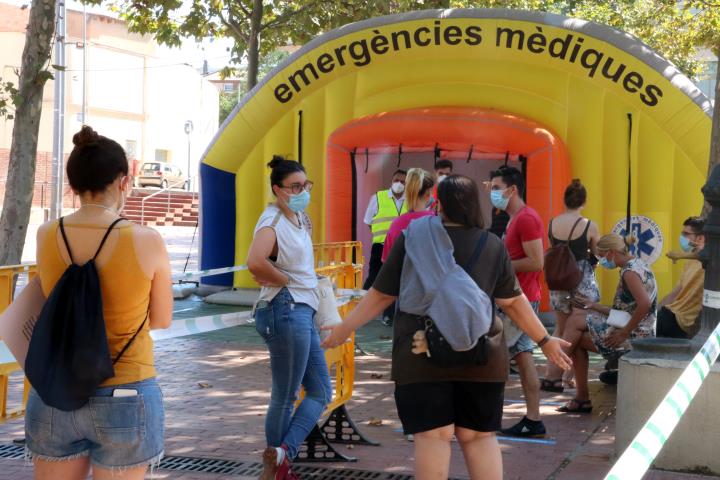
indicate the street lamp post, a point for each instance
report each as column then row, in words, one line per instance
column 188, row 131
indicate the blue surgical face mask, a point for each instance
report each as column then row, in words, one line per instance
column 609, row 264
column 685, row 244
column 498, row 200
column 298, row 203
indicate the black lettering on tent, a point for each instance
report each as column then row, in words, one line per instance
column 652, row 95
column 420, row 42
column 615, row 77
column 338, row 54
column 326, row 63
column 301, row 73
column 405, row 35
column 633, row 82
column 474, row 34
column 453, row 35
column 510, row 35
column 283, row 93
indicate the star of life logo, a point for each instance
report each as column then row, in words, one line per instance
column 649, row 237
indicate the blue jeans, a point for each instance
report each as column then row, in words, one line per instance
column 115, row 432
column 295, row 359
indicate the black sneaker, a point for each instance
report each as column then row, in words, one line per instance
column 526, row 428
column 609, row 377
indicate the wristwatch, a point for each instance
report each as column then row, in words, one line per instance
column 543, row 341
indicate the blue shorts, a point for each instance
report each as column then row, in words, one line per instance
column 524, row 343
column 115, row 432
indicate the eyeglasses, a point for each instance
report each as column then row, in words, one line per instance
column 296, row 188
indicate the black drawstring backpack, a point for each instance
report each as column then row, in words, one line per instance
column 68, row 356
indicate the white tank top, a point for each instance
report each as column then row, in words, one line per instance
column 295, row 257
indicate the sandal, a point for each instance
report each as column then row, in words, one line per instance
column 549, row 385
column 581, row 406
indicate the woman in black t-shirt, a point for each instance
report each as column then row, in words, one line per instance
column 434, row 403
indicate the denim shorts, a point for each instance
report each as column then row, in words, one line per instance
column 115, row 432
column 524, row 343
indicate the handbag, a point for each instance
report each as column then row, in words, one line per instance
column 560, row 266
column 618, row 318
column 327, row 313
column 440, row 352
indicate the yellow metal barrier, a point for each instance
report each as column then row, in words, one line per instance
column 341, row 262
column 341, row 359
column 338, row 253
column 8, row 276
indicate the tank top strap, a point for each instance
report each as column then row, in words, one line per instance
column 587, row 229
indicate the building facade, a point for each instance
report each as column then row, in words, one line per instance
column 131, row 90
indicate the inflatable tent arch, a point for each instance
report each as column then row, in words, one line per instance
column 388, row 83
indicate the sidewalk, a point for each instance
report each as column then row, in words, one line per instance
column 217, row 386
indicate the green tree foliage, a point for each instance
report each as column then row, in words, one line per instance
column 259, row 27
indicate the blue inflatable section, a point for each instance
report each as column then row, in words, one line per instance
column 217, row 213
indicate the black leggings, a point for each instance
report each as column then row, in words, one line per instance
column 373, row 270
column 375, row 265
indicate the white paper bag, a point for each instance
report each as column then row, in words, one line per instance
column 618, row 318
column 327, row 314
column 18, row 320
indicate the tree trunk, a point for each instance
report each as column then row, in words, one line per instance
column 253, row 47
column 21, row 171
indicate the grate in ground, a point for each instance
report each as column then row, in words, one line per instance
column 242, row 468
column 12, row 451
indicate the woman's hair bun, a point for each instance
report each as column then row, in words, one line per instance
column 276, row 160
column 576, row 182
column 85, row 136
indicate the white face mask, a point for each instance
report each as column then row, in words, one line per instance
column 397, row 188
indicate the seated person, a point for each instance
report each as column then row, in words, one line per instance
column 636, row 295
column 680, row 309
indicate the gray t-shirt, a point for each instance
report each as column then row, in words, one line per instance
column 493, row 273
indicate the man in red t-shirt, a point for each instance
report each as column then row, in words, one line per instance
column 524, row 242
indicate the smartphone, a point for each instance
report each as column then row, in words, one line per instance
column 576, row 302
column 125, row 392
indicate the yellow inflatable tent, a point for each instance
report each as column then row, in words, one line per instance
column 561, row 97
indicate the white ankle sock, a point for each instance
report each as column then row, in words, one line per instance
column 280, row 454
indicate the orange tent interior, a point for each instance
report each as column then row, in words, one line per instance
column 464, row 135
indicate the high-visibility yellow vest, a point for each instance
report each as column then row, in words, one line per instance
column 386, row 213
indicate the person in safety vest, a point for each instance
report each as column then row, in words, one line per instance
column 442, row 169
column 383, row 207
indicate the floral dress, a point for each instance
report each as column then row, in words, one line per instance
column 587, row 288
column 597, row 322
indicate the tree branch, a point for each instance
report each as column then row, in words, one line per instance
column 232, row 27
column 243, row 8
column 279, row 20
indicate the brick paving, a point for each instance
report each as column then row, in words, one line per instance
column 216, row 388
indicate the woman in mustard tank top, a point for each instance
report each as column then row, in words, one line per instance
column 120, row 431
